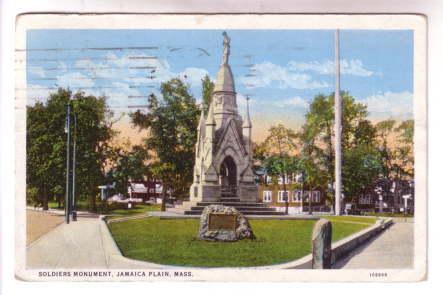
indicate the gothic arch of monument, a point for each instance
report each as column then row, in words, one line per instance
column 223, row 157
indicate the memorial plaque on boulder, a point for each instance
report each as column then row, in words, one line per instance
column 223, row 223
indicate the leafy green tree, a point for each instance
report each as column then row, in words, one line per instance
column 384, row 129
column 44, row 151
column 280, row 143
column 129, row 165
column 46, row 145
column 172, row 123
column 207, row 89
column 362, row 166
column 405, row 148
column 317, row 138
column 94, row 134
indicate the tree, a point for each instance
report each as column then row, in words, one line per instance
column 317, row 138
column 94, row 135
column 384, row 129
column 207, row 89
column 172, row 123
column 362, row 166
column 280, row 143
column 129, row 165
column 405, row 148
column 46, row 145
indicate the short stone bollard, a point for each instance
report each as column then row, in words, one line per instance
column 321, row 244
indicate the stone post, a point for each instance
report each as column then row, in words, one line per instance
column 321, row 244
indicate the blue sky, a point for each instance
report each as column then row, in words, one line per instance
column 281, row 70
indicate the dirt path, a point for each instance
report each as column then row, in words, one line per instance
column 40, row 223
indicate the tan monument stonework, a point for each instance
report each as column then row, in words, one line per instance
column 223, row 156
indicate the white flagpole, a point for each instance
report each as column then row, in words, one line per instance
column 338, row 126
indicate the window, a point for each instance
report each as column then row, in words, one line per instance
column 316, row 196
column 282, row 195
column 267, row 196
column 296, row 196
column 306, row 196
column 280, row 180
column 365, row 199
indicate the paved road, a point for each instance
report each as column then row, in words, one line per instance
column 394, row 248
column 75, row 245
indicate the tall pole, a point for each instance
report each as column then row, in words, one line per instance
column 337, row 127
column 68, row 168
column 74, row 150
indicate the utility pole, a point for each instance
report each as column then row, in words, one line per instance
column 68, row 168
column 74, row 150
column 338, row 126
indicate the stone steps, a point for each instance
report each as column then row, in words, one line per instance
column 239, row 208
column 252, row 212
column 233, row 204
column 246, row 208
column 227, row 199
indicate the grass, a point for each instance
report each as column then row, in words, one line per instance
column 356, row 219
column 136, row 210
column 82, row 205
column 174, row 242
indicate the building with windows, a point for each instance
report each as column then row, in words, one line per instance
column 387, row 195
column 274, row 196
column 150, row 190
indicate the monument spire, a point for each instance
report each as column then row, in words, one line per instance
column 223, row 170
column 247, row 123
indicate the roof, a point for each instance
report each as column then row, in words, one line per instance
column 224, row 81
column 138, row 188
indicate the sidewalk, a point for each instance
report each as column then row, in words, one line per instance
column 75, row 245
column 393, row 249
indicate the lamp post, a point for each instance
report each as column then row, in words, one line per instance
column 68, row 154
column 74, row 150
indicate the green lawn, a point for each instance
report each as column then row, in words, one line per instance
column 136, row 210
column 174, row 242
column 356, row 219
column 82, row 205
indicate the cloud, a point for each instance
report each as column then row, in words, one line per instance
column 193, row 76
column 35, row 93
column 115, row 77
column 390, row 104
column 296, row 102
column 74, row 80
column 37, row 71
column 353, row 67
column 270, row 74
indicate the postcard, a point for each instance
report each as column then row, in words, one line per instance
column 219, row 147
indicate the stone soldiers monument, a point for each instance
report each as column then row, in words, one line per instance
column 223, row 152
